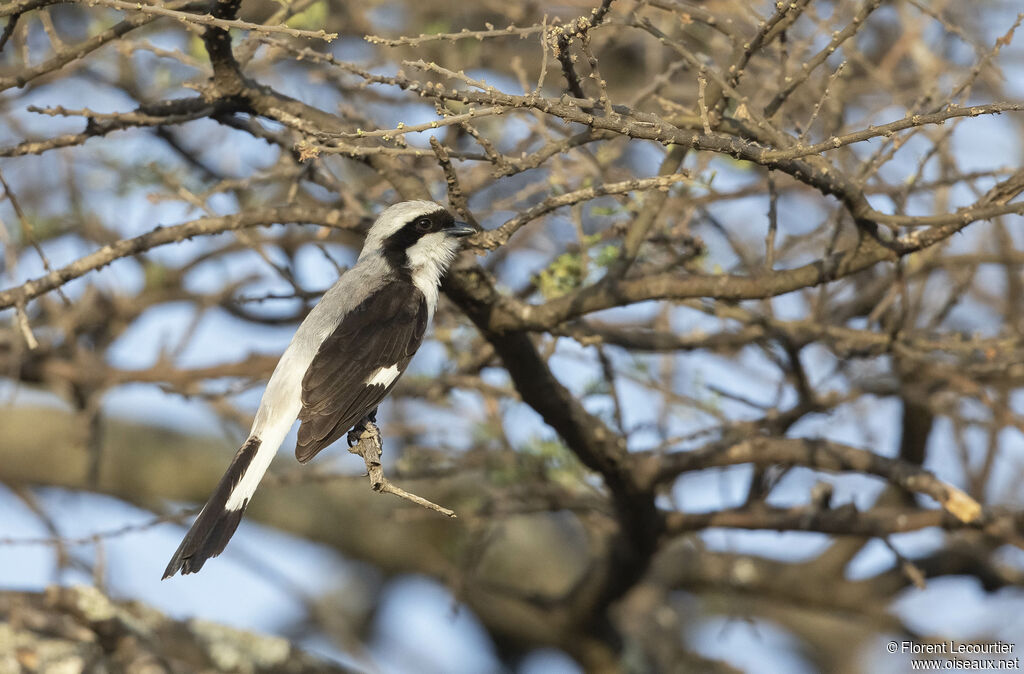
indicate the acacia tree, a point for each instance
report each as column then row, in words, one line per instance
column 758, row 239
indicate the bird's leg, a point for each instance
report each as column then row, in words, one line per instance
column 357, row 431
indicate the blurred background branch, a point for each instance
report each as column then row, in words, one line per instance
column 732, row 380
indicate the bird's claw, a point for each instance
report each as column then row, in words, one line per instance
column 356, row 434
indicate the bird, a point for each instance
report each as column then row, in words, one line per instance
column 344, row 358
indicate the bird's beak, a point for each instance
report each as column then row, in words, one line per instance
column 459, row 230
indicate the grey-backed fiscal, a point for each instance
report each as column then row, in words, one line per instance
column 343, row 360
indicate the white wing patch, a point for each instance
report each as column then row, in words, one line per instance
column 384, row 376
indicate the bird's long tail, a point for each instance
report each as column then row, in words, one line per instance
column 220, row 516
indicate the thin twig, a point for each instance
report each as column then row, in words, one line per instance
column 24, row 326
column 478, row 35
column 455, row 193
column 370, row 448
column 208, row 20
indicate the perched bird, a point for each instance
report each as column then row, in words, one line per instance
column 344, row 358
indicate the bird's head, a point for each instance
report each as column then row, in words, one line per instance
column 417, row 236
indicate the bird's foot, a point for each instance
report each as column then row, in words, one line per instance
column 367, row 424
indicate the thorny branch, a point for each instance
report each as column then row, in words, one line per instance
column 370, row 448
column 681, row 196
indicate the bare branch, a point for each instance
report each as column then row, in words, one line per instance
column 370, row 448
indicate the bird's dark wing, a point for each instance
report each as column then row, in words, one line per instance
column 358, row 364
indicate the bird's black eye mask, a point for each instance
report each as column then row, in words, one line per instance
column 396, row 244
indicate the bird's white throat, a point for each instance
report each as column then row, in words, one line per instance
column 428, row 260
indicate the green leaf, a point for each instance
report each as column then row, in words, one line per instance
column 311, row 18
column 564, row 274
column 437, row 27
column 607, row 256
column 155, row 275
column 196, row 49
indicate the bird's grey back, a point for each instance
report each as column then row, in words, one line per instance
column 348, row 292
column 284, row 390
